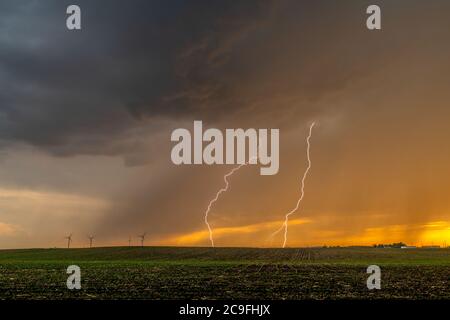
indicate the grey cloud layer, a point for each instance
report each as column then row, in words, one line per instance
column 63, row 89
column 80, row 92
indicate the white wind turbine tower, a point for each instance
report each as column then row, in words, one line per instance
column 91, row 238
column 69, row 240
column 142, row 236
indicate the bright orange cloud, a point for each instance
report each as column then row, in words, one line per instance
column 433, row 233
column 199, row 237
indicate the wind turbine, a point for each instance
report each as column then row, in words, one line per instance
column 142, row 236
column 129, row 241
column 69, row 240
column 91, row 237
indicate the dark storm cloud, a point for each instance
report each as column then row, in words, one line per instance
column 79, row 92
column 60, row 87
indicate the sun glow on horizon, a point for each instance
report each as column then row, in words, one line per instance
column 431, row 233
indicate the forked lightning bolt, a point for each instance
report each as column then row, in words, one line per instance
column 286, row 220
column 224, row 189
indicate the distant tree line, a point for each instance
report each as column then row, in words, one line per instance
column 391, row 245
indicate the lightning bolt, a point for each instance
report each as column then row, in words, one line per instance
column 305, row 174
column 224, row 189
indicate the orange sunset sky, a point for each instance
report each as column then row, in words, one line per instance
column 86, row 118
